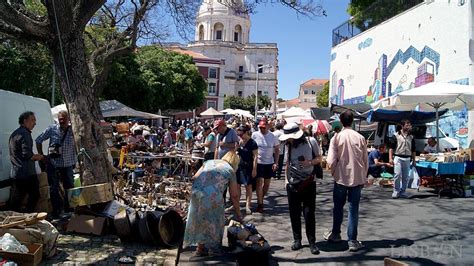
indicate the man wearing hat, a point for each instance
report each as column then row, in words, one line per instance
column 302, row 155
column 268, row 151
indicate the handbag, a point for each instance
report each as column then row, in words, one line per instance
column 303, row 181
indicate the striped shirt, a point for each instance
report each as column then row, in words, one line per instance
column 67, row 148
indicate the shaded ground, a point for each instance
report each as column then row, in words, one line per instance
column 423, row 230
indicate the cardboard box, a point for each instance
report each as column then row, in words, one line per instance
column 122, row 128
column 44, row 193
column 43, row 179
column 87, row 224
column 88, row 195
column 115, row 207
column 33, row 257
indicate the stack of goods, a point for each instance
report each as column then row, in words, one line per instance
column 250, row 247
column 44, row 202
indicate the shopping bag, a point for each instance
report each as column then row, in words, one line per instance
column 414, row 178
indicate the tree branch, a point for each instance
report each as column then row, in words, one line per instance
column 100, row 77
column 38, row 30
column 85, row 9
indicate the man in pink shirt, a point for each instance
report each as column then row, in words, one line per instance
column 348, row 160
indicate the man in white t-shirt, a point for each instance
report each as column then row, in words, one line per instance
column 268, row 151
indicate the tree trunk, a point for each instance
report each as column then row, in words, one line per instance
column 82, row 104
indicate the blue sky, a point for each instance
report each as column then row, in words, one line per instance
column 304, row 44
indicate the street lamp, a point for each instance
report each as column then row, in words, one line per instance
column 256, row 87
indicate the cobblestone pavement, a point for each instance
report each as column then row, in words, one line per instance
column 75, row 249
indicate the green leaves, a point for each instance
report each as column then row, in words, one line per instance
column 236, row 102
column 322, row 98
column 153, row 78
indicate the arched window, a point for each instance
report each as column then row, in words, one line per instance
column 238, row 33
column 218, row 31
column 201, row 32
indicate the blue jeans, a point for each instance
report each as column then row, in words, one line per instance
column 56, row 175
column 401, row 171
column 340, row 194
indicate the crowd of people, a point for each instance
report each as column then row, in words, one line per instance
column 236, row 153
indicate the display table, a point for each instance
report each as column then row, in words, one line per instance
column 450, row 176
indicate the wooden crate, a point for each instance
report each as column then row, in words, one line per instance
column 88, row 195
column 33, row 257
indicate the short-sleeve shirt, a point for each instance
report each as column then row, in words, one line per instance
column 188, row 134
column 277, row 134
column 210, row 138
column 246, row 154
column 266, row 146
column 430, row 149
column 373, row 155
column 230, row 137
column 304, row 149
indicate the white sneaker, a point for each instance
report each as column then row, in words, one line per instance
column 354, row 245
column 395, row 195
column 229, row 209
column 248, row 211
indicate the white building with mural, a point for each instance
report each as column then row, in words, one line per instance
column 222, row 33
column 431, row 41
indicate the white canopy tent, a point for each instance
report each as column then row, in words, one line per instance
column 211, row 112
column 228, row 111
column 431, row 97
column 112, row 108
column 294, row 112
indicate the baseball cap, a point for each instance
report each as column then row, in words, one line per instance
column 218, row 123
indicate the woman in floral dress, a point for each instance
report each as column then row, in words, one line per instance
column 206, row 220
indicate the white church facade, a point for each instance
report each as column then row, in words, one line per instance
column 223, row 34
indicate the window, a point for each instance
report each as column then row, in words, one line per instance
column 305, row 92
column 259, row 93
column 236, row 36
column 219, row 35
column 239, row 93
column 212, row 104
column 218, row 29
column 313, row 92
column 211, row 89
column 237, row 33
column 260, row 68
column 265, row 93
column 212, row 73
column 241, row 69
column 201, row 32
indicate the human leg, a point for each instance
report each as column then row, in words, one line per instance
column 67, row 178
column 32, row 188
column 353, row 220
column 266, row 185
column 397, row 177
column 339, row 196
column 309, row 207
column 248, row 197
column 259, row 191
column 18, row 195
column 53, row 181
column 405, row 174
column 294, row 205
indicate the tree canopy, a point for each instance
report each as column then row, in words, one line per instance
column 322, row 98
column 153, row 78
column 248, row 103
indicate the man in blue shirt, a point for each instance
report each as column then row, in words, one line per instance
column 61, row 160
column 376, row 165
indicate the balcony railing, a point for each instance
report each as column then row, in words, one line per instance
column 377, row 13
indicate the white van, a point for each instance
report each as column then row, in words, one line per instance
column 421, row 132
column 11, row 106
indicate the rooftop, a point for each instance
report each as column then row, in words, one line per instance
column 314, row 82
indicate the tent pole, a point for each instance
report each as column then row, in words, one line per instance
column 437, row 127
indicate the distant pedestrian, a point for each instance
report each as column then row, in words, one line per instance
column 278, row 133
column 401, row 153
column 22, row 158
column 268, row 153
column 302, row 155
column 348, row 161
column 247, row 172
